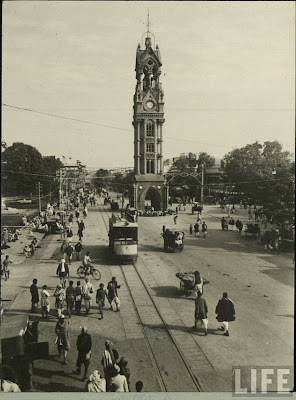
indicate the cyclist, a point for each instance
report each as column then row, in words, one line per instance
column 87, row 263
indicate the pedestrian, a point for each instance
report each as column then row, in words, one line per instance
column 198, row 283
column 62, row 230
column 223, row 221
column 84, row 345
column 231, row 223
column 184, row 205
column 59, row 295
column 177, row 210
column 77, row 213
column 226, row 313
column 139, row 386
column 190, row 229
column 204, row 229
column 62, row 338
column 34, row 296
column 200, row 314
column 113, row 294
column 100, row 299
column 117, row 382
column 175, row 219
column 69, row 252
column 6, row 267
column 240, row 227
column 87, row 291
column 196, row 229
column 96, row 383
column 63, row 272
column 78, row 298
column 124, row 370
column 45, row 303
column 198, row 219
column 69, row 235
column 109, row 358
column 70, row 298
column 64, row 248
column 85, row 212
column 78, row 248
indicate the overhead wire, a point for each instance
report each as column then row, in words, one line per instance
column 107, row 126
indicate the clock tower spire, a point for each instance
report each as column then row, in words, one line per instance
column 148, row 120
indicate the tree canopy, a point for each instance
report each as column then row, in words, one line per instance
column 264, row 173
column 23, row 167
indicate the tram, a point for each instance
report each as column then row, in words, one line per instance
column 123, row 238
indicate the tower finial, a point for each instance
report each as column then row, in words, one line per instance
column 148, row 22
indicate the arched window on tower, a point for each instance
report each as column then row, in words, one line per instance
column 150, row 129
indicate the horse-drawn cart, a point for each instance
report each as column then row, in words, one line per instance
column 173, row 240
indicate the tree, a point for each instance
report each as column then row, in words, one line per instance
column 22, row 169
column 99, row 179
column 206, row 159
column 264, row 174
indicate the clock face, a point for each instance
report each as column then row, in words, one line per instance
column 150, row 104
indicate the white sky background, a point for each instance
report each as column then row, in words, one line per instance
column 228, row 75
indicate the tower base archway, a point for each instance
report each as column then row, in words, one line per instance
column 149, row 189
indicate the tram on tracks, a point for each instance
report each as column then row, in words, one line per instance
column 123, row 238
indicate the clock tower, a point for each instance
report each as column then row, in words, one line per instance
column 149, row 184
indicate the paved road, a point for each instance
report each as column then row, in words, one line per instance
column 261, row 335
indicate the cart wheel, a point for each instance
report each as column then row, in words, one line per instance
column 182, row 286
column 81, row 272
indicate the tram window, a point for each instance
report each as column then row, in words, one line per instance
column 150, row 128
column 125, row 233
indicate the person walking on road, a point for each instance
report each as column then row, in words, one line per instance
column 45, row 304
column 62, row 339
column 196, row 229
column 175, row 219
column 100, row 299
column 223, row 222
column 198, row 283
column 6, row 267
column 113, row 294
column 139, row 386
column 96, row 383
column 204, row 229
column 34, row 296
column 63, row 272
column 70, row 298
column 124, row 370
column 190, row 229
column 226, row 312
column 109, row 358
column 64, row 248
column 59, row 295
column 69, row 252
column 200, row 314
column 78, row 298
column 87, row 291
column 78, row 248
column 84, row 345
column 117, row 383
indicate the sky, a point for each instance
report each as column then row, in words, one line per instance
column 228, row 75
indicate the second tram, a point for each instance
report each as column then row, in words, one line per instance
column 123, row 238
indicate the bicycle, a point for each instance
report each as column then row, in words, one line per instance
column 83, row 271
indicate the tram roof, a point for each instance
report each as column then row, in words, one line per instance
column 118, row 221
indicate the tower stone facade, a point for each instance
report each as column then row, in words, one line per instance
column 149, row 183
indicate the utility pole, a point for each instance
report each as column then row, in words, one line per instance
column 61, row 188
column 39, row 198
column 202, row 183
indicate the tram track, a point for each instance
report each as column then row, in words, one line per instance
column 144, row 305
